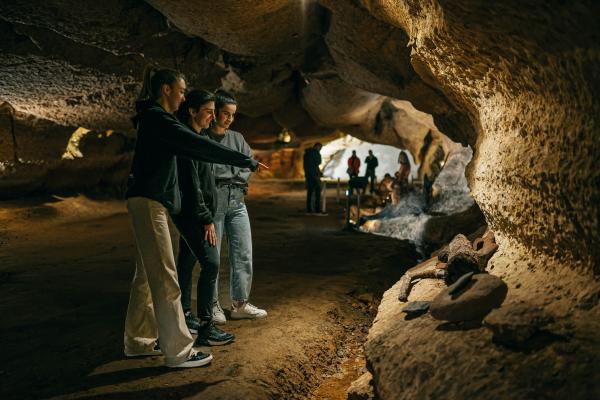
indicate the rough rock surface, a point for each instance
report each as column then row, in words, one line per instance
column 439, row 230
column 530, row 84
column 426, row 358
column 78, row 65
column 361, row 389
column 483, row 293
column 517, row 323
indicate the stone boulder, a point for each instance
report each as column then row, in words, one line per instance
column 516, row 324
column 439, row 230
column 472, row 302
column 362, row 388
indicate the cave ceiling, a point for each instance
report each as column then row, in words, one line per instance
column 310, row 67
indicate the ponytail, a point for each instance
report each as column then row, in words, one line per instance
column 146, row 92
column 153, row 81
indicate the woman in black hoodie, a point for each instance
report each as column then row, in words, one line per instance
column 195, row 223
column 154, row 305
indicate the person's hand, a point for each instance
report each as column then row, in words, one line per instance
column 210, row 234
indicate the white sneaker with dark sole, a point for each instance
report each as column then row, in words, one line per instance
column 247, row 311
column 197, row 359
column 218, row 315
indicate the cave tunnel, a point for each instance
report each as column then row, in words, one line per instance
column 474, row 275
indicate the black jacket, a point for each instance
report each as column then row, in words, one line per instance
column 312, row 160
column 371, row 162
column 198, row 189
column 161, row 137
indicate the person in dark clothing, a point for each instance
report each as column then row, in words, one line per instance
column 372, row 163
column 312, row 175
column 195, row 223
column 154, row 308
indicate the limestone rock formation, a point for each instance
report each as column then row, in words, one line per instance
column 361, row 388
column 518, row 82
column 517, row 323
column 483, row 293
column 424, row 357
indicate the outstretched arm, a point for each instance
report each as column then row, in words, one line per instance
column 184, row 142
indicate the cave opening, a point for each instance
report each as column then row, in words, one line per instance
column 472, row 274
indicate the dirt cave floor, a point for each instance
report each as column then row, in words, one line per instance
column 65, row 269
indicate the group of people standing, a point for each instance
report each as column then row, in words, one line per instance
column 395, row 186
column 190, row 167
column 354, row 166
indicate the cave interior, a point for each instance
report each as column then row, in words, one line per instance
column 516, row 83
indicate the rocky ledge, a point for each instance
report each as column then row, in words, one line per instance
column 540, row 343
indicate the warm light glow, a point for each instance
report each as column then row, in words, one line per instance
column 72, row 151
column 284, row 136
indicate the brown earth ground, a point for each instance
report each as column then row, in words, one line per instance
column 65, row 269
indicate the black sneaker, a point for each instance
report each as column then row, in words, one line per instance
column 213, row 336
column 192, row 322
column 197, row 359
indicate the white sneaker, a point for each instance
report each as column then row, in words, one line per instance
column 247, row 311
column 196, row 359
column 218, row 315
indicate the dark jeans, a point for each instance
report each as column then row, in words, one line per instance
column 372, row 178
column 350, row 188
column 313, row 195
column 192, row 247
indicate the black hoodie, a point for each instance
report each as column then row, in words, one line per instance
column 160, row 138
column 198, row 189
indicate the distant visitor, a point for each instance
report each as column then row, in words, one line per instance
column 312, row 176
column 372, row 163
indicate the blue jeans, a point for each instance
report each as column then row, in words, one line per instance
column 232, row 219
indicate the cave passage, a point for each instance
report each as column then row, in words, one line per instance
column 76, row 281
column 491, row 290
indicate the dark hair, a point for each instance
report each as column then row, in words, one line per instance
column 222, row 98
column 154, row 79
column 193, row 100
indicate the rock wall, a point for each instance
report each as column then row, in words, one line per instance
column 527, row 77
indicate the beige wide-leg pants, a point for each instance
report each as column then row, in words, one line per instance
column 154, row 303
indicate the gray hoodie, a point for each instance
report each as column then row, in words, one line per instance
column 226, row 173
